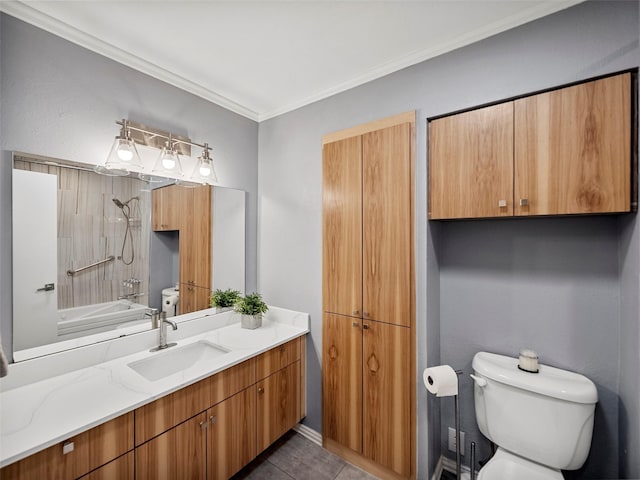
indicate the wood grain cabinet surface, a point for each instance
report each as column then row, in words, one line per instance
column 368, row 280
column 165, row 208
column 86, row 452
column 565, row 151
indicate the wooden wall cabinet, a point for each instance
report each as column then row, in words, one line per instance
column 165, row 208
column 368, row 358
column 188, row 210
column 565, row 151
column 87, row 451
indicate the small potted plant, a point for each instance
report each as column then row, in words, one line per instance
column 250, row 307
column 224, row 298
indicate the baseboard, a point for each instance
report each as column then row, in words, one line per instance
column 310, row 434
column 437, row 473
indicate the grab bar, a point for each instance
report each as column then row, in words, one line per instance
column 110, row 258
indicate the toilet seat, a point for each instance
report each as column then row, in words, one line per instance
column 508, row 466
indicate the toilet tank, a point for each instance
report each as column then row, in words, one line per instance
column 546, row 416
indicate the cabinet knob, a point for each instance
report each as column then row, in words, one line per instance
column 365, row 326
column 355, row 312
column 366, row 314
column 213, row 418
column 260, row 390
column 524, row 202
column 203, row 425
column 502, row 203
column 355, row 324
column 68, row 447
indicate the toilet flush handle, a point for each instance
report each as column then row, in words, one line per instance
column 479, row 380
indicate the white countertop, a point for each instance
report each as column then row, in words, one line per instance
column 97, row 385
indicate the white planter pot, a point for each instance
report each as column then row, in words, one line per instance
column 250, row 321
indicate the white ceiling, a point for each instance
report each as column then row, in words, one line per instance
column 262, row 58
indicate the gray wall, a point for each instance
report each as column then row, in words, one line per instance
column 61, row 100
column 587, row 40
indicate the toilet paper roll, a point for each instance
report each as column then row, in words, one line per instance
column 442, row 380
column 171, row 301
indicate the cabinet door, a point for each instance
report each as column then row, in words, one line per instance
column 572, row 150
column 195, row 236
column 232, row 435
column 342, row 226
column 471, row 164
column 387, row 395
column 278, row 404
column 177, row 453
column 342, row 380
column 386, row 197
column 165, row 209
column 193, row 298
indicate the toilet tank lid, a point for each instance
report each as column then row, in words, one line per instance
column 549, row 381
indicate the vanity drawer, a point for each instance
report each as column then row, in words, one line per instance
column 232, row 380
column 87, row 451
column 277, row 358
column 121, row 469
column 166, row 412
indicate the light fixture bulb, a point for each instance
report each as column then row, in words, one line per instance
column 124, row 151
column 168, row 162
column 205, row 169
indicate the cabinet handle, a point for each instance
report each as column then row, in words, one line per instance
column 203, row 425
column 502, row 203
column 524, row 202
column 67, row 447
column 260, row 390
column 283, row 349
column 366, row 314
column 355, row 312
column 213, row 418
column 355, row 324
column 365, row 326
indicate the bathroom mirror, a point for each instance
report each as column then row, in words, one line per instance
column 87, row 263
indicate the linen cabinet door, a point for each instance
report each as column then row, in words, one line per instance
column 386, row 197
column 232, row 435
column 572, row 150
column 342, row 227
column 342, row 380
column 387, row 395
column 195, row 236
column 471, row 164
column 178, row 453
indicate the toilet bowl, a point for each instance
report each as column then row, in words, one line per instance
column 541, row 422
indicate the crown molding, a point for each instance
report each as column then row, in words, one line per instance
column 28, row 14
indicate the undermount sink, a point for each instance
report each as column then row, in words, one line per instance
column 166, row 363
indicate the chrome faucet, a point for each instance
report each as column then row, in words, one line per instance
column 162, row 333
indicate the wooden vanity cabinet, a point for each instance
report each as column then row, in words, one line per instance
column 122, row 468
column 565, row 151
column 87, row 451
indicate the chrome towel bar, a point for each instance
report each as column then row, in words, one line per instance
column 110, row 258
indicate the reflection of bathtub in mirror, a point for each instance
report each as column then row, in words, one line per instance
column 79, row 321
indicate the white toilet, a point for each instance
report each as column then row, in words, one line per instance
column 541, row 422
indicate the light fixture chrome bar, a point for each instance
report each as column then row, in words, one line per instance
column 170, row 137
column 110, row 258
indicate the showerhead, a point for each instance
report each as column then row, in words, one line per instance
column 118, row 203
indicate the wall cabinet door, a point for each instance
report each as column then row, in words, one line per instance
column 232, row 435
column 178, row 453
column 342, row 380
column 572, row 149
column 278, row 404
column 471, row 164
column 193, row 298
column 195, row 236
column 165, row 208
column 342, row 227
column 387, row 395
column 386, row 206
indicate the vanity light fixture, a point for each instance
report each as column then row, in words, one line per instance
column 123, row 157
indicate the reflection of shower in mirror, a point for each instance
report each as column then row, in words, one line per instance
column 126, row 211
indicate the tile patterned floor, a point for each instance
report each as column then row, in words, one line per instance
column 295, row 457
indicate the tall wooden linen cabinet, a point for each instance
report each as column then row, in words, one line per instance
column 368, row 292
